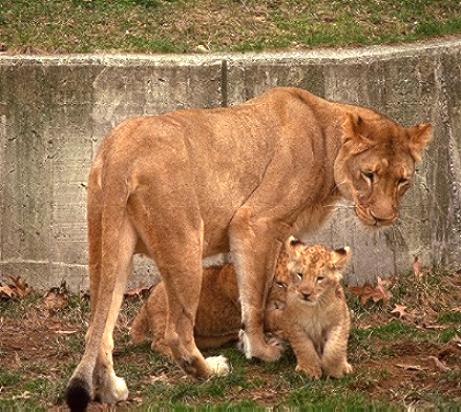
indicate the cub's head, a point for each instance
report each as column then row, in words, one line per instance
column 314, row 270
column 376, row 164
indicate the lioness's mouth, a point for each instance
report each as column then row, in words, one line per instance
column 370, row 220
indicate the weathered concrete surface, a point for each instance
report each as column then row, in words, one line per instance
column 55, row 110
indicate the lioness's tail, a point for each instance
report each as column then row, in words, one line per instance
column 118, row 240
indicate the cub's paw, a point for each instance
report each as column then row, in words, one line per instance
column 313, row 371
column 274, row 340
column 218, row 365
column 252, row 348
column 339, row 372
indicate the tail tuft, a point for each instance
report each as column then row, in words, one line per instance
column 77, row 395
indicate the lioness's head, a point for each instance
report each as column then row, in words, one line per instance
column 314, row 270
column 376, row 164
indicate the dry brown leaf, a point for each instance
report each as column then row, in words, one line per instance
column 374, row 293
column 20, row 286
column 400, row 311
column 6, row 291
column 439, row 364
column 55, row 299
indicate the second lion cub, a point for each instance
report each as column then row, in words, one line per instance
column 306, row 307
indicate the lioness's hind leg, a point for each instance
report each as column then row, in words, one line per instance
column 174, row 238
column 109, row 388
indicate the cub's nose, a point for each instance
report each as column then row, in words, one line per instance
column 306, row 295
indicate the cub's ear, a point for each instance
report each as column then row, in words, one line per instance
column 419, row 136
column 294, row 246
column 354, row 131
column 340, row 257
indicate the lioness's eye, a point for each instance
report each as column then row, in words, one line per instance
column 368, row 174
column 320, row 278
column 403, row 181
column 281, row 284
column 300, row 275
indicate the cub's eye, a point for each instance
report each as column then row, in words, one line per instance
column 300, row 275
column 281, row 285
column 320, row 278
column 368, row 175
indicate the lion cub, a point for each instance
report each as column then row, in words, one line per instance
column 305, row 306
column 315, row 320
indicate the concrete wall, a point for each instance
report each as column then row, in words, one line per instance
column 55, row 110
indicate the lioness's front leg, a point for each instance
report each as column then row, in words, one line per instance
column 255, row 248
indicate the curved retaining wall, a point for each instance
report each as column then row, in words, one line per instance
column 54, row 110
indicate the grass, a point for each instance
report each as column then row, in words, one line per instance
column 178, row 26
column 391, row 359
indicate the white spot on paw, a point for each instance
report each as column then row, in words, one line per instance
column 218, row 364
column 115, row 391
column 348, row 368
column 245, row 344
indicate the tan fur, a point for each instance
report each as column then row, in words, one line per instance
column 318, row 330
column 189, row 184
column 316, row 318
column 218, row 317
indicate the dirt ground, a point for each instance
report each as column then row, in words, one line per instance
column 405, row 350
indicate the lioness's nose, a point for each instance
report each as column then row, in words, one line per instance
column 381, row 219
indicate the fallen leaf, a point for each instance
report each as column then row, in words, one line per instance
column 374, row 293
column 410, row 367
column 400, row 311
column 439, row 364
column 6, row 291
column 20, row 286
column 54, row 300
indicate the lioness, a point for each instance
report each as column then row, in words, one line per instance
column 306, row 307
column 184, row 185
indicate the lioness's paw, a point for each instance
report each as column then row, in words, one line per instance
column 315, row 372
column 114, row 391
column 259, row 349
column 218, row 364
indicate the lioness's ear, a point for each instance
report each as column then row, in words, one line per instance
column 354, row 130
column 294, row 246
column 340, row 257
column 420, row 136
